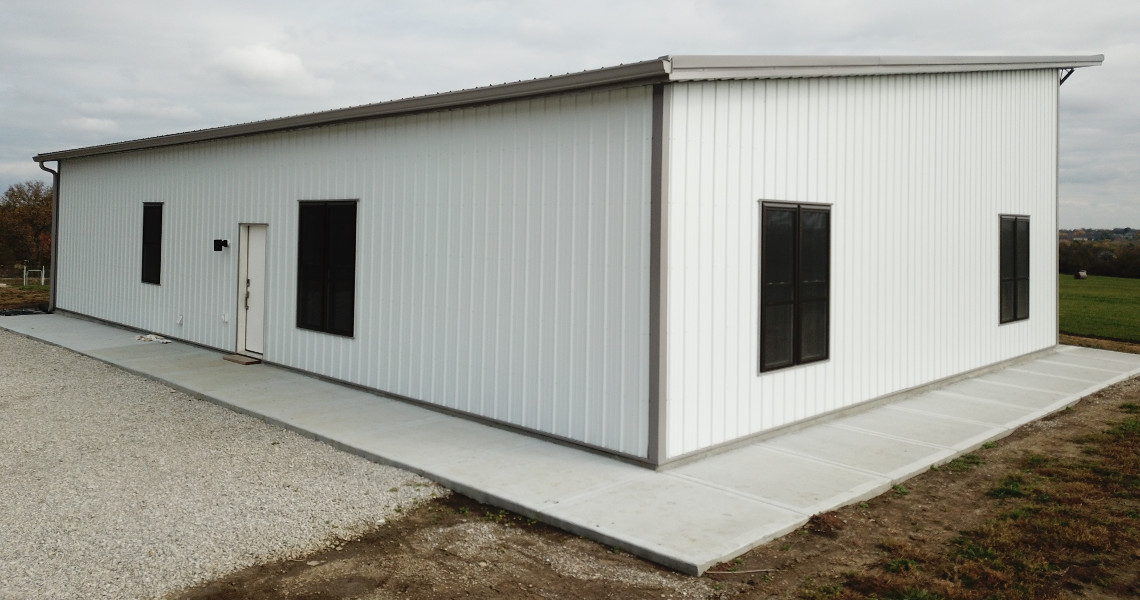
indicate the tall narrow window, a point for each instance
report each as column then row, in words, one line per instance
column 1014, row 268
column 795, row 279
column 152, row 243
column 326, row 267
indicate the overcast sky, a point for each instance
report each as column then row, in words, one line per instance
column 77, row 73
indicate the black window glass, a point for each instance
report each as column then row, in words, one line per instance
column 1021, row 269
column 1014, row 279
column 326, row 267
column 795, row 278
column 152, row 243
column 778, row 348
column 813, row 330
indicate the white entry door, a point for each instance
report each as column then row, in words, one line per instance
column 251, row 291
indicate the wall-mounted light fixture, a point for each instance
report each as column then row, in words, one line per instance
column 219, row 244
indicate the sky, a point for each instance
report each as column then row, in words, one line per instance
column 76, row 73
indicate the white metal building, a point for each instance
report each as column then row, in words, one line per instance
column 652, row 259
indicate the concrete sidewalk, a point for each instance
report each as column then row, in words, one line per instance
column 689, row 517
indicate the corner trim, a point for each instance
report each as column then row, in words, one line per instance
column 658, row 270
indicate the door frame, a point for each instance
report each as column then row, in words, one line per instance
column 242, row 274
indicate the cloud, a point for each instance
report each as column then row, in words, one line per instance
column 92, row 125
column 121, row 69
column 21, row 170
column 134, row 108
column 262, row 65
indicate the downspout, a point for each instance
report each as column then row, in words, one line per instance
column 54, row 234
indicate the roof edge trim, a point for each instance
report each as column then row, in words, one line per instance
column 666, row 68
column 648, row 71
column 770, row 67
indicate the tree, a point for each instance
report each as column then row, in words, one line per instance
column 25, row 224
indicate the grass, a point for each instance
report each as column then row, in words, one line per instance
column 1104, row 307
column 16, row 295
column 1066, row 524
column 963, row 463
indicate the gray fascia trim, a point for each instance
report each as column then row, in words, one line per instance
column 687, row 68
column 647, row 71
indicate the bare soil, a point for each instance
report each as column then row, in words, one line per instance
column 456, row 548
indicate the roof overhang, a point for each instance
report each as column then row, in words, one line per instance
column 661, row 70
column 773, row 67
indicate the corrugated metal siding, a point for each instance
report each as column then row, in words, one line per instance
column 503, row 254
column 917, row 169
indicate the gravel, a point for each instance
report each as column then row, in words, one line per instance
column 115, row 486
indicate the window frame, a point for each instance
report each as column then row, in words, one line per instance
column 801, row 298
column 1013, row 268
column 151, row 266
column 326, row 268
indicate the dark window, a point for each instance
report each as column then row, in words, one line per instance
column 152, row 242
column 1014, row 268
column 326, row 267
column 795, row 277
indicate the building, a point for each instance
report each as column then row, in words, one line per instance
column 652, row 260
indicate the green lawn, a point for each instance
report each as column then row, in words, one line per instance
column 1107, row 307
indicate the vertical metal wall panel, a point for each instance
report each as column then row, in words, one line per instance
column 503, row 254
column 917, row 169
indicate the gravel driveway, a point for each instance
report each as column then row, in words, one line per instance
column 115, row 486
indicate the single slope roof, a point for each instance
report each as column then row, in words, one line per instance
column 660, row 70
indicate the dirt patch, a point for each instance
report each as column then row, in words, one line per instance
column 13, row 295
column 457, row 548
column 1088, row 342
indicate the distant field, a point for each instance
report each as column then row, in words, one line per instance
column 1107, row 307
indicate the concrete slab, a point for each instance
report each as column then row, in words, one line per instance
column 1085, row 361
column 960, row 406
column 870, row 453
column 1018, row 377
column 146, row 352
column 687, row 517
column 1006, row 394
column 76, row 334
column 667, row 517
column 1130, row 361
column 1055, row 369
column 434, row 444
column 344, row 416
column 551, row 474
column 947, row 432
column 787, row 480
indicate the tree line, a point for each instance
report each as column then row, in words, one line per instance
column 1118, row 257
column 25, row 226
